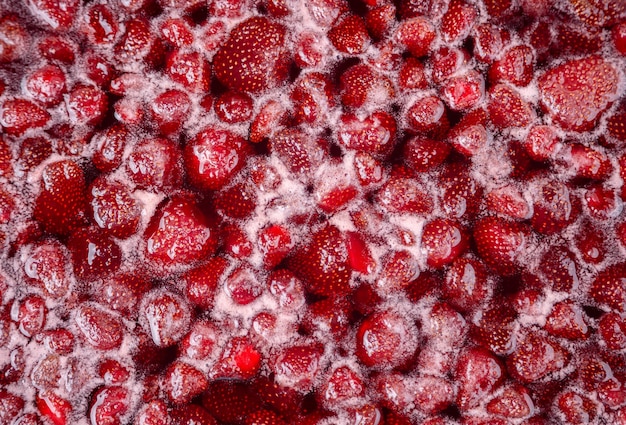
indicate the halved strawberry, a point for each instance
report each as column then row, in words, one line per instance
column 253, row 58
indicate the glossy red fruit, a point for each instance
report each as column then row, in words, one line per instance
column 165, row 316
column 405, row 195
column 412, row 75
column 30, row 315
column 239, row 359
column 618, row 35
column 555, row 207
column 297, row 151
column 98, row 327
column 268, row 119
column 443, row 240
column 213, row 157
column 87, row 105
column 349, row 35
column 113, row 372
column 535, row 357
column 107, row 404
column 496, row 328
column 510, row 202
column 182, row 382
column 189, row 69
column 386, row 340
column 60, row 205
column 298, row 367
column 465, row 91
column 447, row 61
column 46, row 85
column 170, row 110
column 567, row 320
column 53, row 407
column 122, row 292
column 577, row 92
column 513, row 402
column 274, row 243
column 576, row 408
column 179, row 234
column 361, row 85
column 501, row 244
column 230, row 400
column 154, row 164
column 101, row 25
column 138, row 44
column 588, row 162
column 113, row 209
column 94, row 254
column 201, row 281
column 46, row 264
column 323, row 264
column 489, row 41
column 238, row 201
column 458, row 20
column 428, row 114
column 478, row 373
column 232, row 107
column 466, row 284
column 15, row 38
column 542, row 142
column 243, row 286
column 560, row 268
column 416, row 35
column 253, row 57
column 19, row 115
column 515, row 66
column 612, row 330
column 374, row 134
column 56, row 48
column 58, row 16
column 264, row 417
column 507, row 109
column 109, row 147
column 607, row 287
column 192, row 414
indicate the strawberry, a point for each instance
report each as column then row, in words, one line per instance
column 577, row 92
column 268, row 119
column 380, row 20
column 577, row 40
column 470, row 134
column 465, row 91
column 190, row 70
column 536, row 356
column 542, row 142
column 489, row 42
column 253, row 57
column 618, row 36
column 555, row 207
column 109, row 147
column 349, row 35
column 515, row 66
column 513, row 402
column 200, row 341
column 312, row 96
column 501, row 244
column 466, row 285
column 182, row 382
column 576, row 408
column 360, row 85
column 309, row 50
column 239, row 359
column 567, row 320
column 443, row 240
column 170, row 109
column 612, row 330
column 107, row 404
column 87, row 105
column 230, row 400
column 177, row 32
column 404, row 195
column 588, row 162
column 237, row 201
column 447, row 61
column 602, row 203
column 495, row 330
column 234, row 108
column 478, row 373
column 154, row 165
column 385, row 340
column 179, row 233
column 560, row 268
column 112, row 207
column 374, row 134
column 19, row 115
column 213, row 157
column 287, row 288
column 94, row 254
column 53, row 407
column 33, row 151
column 615, row 125
column 428, row 114
column 30, row 315
column 243, row 286
column 6, row 159
column 236, row 241
column 416, row 35
column 508, row 201
column 60, row 205
column 323, row 264
column 461, row 193
column 113, row 372
column 192, row 414
column 59, row 49
column 597, row 13
column 423, row 154
column 46, row 85
column 122, row 292
column 607, row 287
column 165, row 316
column 138, row 43
column 15, row 38
column 298, row 367
column 412, row 75
column 58, row 16
column 275, row 244
column 46, row 265
column 458, row 21
column 278, row 398
column 98, row 327
column 100, row 24
column 263, row 417
column 592, row 244
column 507, row 109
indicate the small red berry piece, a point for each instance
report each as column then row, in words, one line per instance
column 555, row 207
column 121, row 292
column 100, row 328
column 19, row 115
column 607, row 288
column 515, row 67
column 275, row 244
column 412, row 75
column 30, row 313
column 443, row 240
column 404, row 195
column 427, row 114
column 61, row 203
column 271, row 115
column 386, row 340
column 191, row 414
column 465, row 285
column 612, row 330
column 510, row 202
column 59, row 49
column 380, row 20
column 567, row 320
column 458, row 21
column 100, row 24
column 46, row 85
column 182, row 382
column 501, row 244
column 46, row 265
column 618, row 35
column 109, row 147
column 179, row 233
column 507, row 108
column 154, row 164
column 94, row 254
column 361, row 85
column 213, row 157
column 176, row 32
column 514, row 402
column 238, row 201
column 576, row 408
column 200, row 342
column 201, row 281
column 263, row 417
column 253, row 57
column 464, row 91
column 232, row 107
column 542, row 142
column 190, row 70
column 416, row 35
column 423, row 154
column 349, row 35
column 107, row 404
column 478, row 373
column 170, row 110
column 535, row 357
column 323, row 264
column 87, row 105
column 60, row 16
column 298, row 367
column 588, row 162
column 577, row 92
column 243, row 286
column 113, row 372
column 489, row 41
column 113, row 209
column 165, row 316
column 138, row 43
column 447, row 61
column 15, row 39
column 53, row 407
column 342, row 386
column 240, row 359
column 374, row 134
